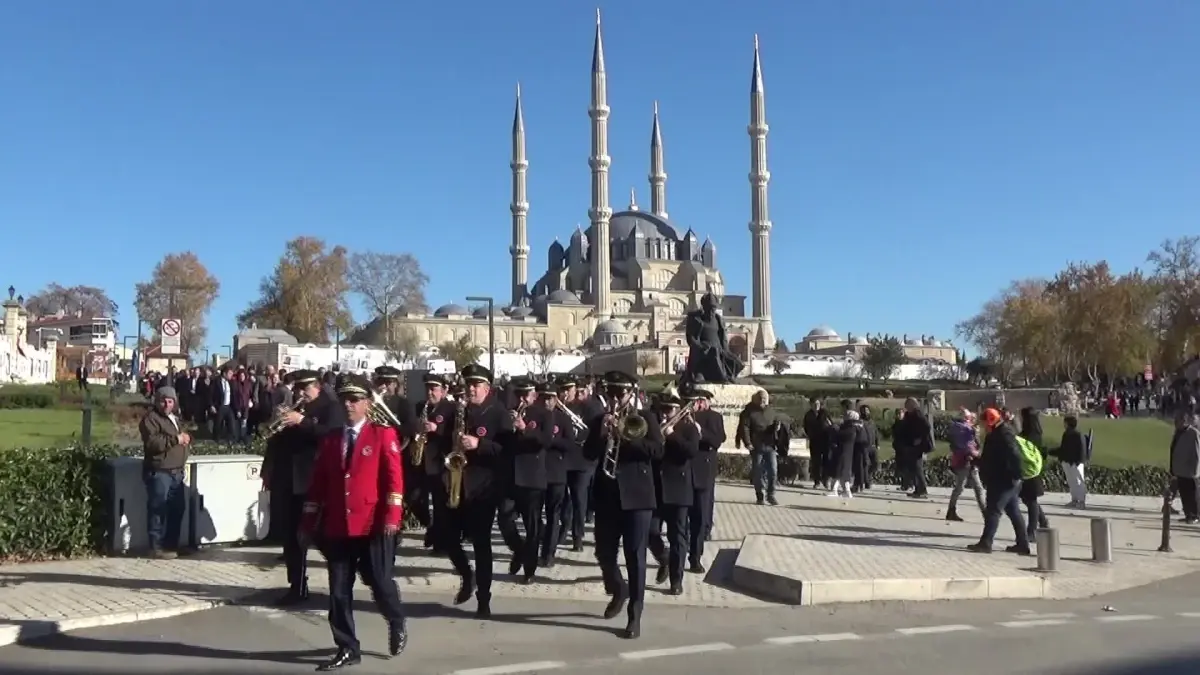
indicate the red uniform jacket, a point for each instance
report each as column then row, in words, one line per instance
column 356, row 499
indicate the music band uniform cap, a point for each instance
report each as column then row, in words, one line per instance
column 387, row 373
column 352, row 384
column 669, row 399
column 475, row 373
column 617, row 378
column 547, row 389
column 565, row 382
column 522, row 384
column 697, row 394
column 303, row 377
column 436, row 380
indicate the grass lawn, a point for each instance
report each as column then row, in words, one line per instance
column 1117, row 443
column 35, row 428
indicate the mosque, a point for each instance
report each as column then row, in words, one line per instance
column 632, row 275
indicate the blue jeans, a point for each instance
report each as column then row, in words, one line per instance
column 1005, row 498
column 165, row 501
column 764, row 470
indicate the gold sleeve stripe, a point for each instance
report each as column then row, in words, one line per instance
column 311, row 507
column 395, row 499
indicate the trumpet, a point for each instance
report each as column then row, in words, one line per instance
column 456, row 459
column 576, row 421
column 278, row 423
column 519, row 413
column 627, row 425
column 418, row 443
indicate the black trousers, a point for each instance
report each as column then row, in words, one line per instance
column 576, row 505
column 527, row 504
column 674, row 551
column 699, row 516
column 712, row 507
column 552, row 527
column 295, row 554
column 615, row 527
column 473, row 519
column 372, row 557
column 416, row 494
column 439, row 516
column 1187, row 489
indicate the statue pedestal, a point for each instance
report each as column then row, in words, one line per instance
column 729, row 400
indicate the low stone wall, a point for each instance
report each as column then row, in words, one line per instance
column 1014, row 399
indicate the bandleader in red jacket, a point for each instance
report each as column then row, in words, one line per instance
column 358, row 499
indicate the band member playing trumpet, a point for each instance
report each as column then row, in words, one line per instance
column 434, row 416
column 313, row 416
column 681, row 443
column 561, row 445
column 626, row 442
column 533, row 427
column 479, row 429
column 386, row 381
column 579, row 469
column 353, row 512
column 704, row 476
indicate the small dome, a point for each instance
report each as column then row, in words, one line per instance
column 520, row 312
column 562, row 297
column 450, row 310
column 482, row 312
column 822, row 331
column 609, row 326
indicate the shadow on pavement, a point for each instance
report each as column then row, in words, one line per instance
column 1183, row 663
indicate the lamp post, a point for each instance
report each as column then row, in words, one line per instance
column 229, row 348
column 491, row 304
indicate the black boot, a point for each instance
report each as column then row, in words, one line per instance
column 397, row 639
column 663, row 573
column 952, row 515
column 617, row 603
column 294, row 596
column 466, row 588
column 343, row 659
column 484, row 609
column 633, row 629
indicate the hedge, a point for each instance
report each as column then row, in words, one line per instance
column 52, row 499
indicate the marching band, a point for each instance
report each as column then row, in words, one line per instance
column 467, row 462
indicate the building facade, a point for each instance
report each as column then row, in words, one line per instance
column 630, row 277
column 23, row 361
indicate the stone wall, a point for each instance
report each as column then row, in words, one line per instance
column 1014, row 399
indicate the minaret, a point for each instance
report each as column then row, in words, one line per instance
column 658, row 171
column 519, row 207
column 760, row 216
column 600, row 212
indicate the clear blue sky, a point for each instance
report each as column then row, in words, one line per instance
column 922, row 152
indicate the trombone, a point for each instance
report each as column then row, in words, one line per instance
column 627, row 425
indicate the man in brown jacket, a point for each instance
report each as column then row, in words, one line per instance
column 165, row 448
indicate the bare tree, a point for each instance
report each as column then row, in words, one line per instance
column 84, row 300
column 646, row 361
column 386, row 283
column 402, row 343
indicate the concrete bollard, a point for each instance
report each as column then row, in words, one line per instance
column 1102, row 540
column 1165, row 545
column 1047, row 549
column 85, row 432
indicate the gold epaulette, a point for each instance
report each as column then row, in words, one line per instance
column 395, row 499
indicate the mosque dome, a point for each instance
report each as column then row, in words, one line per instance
column 482, row 312
column 451, row 310
column 822, row 332
column 622, row 224
column 561, row 297
column 520, row 312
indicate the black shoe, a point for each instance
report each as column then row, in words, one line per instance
column 772, row 501
column 697, row 568
column 979, row 548
column 633, row 629
column 514, row 566
column 294, row 596
column 919, row 495
column 526, row 580
column 617, row 603
column 546, row 562
column 577, row 547
column 676, row 589
column 484, row 609
column 465, row 589
column 397, row 639
column 1019, row 550
column 343, row 659
column 663, row 573
column 708, row 536
column 759, row 501
column 953, row 516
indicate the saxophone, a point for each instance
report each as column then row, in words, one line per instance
column 456, row 460
column 418, row 445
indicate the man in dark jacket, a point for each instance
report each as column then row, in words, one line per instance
column 756, row 431
column 1000, row 472
column 913, row 440
column 165, row 452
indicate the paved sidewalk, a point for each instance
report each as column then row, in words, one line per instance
column 42, row 598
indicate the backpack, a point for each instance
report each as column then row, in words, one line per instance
column 1031, row 458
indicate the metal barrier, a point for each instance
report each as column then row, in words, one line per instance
column 1165, row 545
column 1047, row 549
column 1102, row 540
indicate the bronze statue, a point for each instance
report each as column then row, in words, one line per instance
column 709, row 359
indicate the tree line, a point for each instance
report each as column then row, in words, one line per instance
column 1088, row 322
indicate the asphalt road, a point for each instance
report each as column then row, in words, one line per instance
column 1149, row 631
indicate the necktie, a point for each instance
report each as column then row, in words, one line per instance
column 351, row 437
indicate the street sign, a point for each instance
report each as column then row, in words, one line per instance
column 172, row 342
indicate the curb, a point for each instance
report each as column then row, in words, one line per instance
column 28, row 631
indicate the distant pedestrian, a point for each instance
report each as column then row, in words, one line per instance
column 1185, row 464
column 1000, row 470
column 1072, row 456
column 964, row 452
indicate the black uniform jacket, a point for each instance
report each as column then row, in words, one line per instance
column 297, row 445
column 561, row 444
column 406, row 414
column 675, row 469
column 437, row 443
column 712, row 437
column 575, row 459
column 528, row 448
column 487, row 466
column 633, row 488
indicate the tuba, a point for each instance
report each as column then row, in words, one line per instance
column 418, row 443
column 379, row 413
column 456, row 459
column 627, row 425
